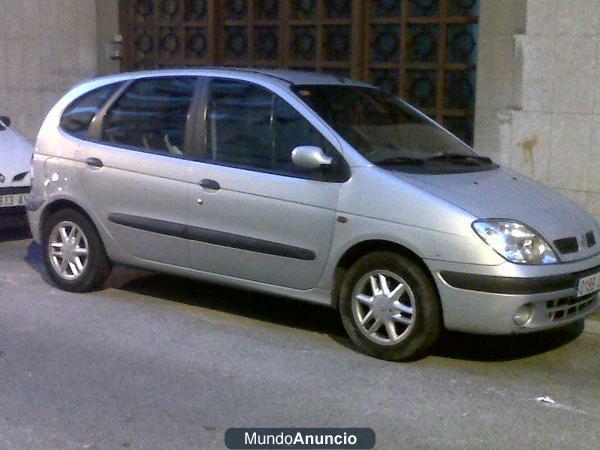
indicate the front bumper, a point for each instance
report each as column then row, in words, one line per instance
column 484, row 299
column 34, row 212
column 14, row 216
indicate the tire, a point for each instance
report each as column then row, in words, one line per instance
column 86, row 265
column 407, row 299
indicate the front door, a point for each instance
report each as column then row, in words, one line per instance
column 253, row 214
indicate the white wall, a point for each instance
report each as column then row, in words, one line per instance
column 538, row 92
column 46, row 46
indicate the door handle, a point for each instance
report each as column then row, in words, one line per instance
column 210, row 184
column 94, row 163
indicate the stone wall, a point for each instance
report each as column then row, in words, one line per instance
column 46, row 46
column 538, row 92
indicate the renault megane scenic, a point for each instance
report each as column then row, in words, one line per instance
column 309, row 186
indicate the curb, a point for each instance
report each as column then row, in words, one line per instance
column 592, row 326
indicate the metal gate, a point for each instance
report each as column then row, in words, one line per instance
column 424, row 50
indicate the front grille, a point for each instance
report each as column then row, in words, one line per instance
column 590, row 238
column 567, row 245
column 15, row 190
column 567, row 307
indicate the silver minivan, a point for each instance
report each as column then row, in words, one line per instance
column 308, row 186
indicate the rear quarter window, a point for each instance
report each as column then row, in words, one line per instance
column 79, row 114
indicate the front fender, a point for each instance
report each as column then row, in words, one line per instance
column 425, row 243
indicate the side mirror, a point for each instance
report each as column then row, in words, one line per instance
column 310, row 157
column 4, row 122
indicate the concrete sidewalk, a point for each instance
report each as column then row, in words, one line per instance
column 592, row 324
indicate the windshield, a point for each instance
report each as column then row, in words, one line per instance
column 388, row 132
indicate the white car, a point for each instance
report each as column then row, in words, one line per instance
column 15, row 179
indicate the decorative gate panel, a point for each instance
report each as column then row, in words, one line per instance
column 424, row 50
column 163, row 33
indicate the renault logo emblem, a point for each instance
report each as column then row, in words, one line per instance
column 2, row 178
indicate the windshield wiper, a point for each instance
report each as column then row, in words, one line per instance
column 457, row 158
column 460, row 158
column 400, row 160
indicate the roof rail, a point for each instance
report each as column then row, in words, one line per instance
column 255, row 70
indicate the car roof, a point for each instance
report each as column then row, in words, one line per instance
column 301, row 77
column 295, row 77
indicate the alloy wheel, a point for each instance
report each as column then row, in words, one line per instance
column 383, row 306
column 68, row 250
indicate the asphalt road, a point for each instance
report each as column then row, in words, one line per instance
column 163, row 362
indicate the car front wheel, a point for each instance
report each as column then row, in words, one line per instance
column 389, row 307
column 74, row 255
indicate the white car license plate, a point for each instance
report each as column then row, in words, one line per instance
column 12, row 200
column 587, row 285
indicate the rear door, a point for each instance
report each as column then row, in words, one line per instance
column 253, row 214
column 135, row 169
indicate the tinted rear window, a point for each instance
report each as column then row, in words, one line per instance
column 78, row 115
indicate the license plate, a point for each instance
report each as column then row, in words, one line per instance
column 12, row 200
column 587, row 285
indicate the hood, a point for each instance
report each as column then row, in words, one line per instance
column 15, row 155
column 504, row 194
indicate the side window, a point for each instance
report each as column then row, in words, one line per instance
column 251, row 127
column 290, row 130
column 239, row 124
column 79, row 114
column 151, row 115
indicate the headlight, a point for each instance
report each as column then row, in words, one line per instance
column 515, row 242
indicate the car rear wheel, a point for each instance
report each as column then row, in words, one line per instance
column 389, row 307
column 74, row 254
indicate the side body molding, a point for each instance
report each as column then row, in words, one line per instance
column 211, row 236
